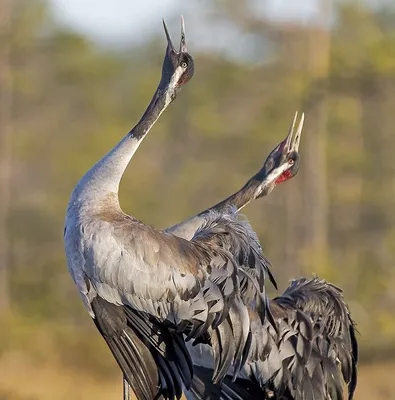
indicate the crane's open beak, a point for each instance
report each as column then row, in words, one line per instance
column 292, row 141
column 183, row 43
column 281, row 171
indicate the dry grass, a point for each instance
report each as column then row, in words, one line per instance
column 23, row 379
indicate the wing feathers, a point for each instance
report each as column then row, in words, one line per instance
column 131, row 354
column 153, row 358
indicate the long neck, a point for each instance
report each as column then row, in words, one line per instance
column 105, row 176
column 253, row 189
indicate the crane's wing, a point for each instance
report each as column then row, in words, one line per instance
column 239, row 239
column 312, row 354
column 150, row 287
column 253, row 268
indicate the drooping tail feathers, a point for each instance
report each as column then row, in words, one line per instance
column 154, row 360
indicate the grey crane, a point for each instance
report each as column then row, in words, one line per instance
column 146, row 289
column 307, row 349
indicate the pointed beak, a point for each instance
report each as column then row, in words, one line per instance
column 183, row 43
column 296, row 139
column 292, row 141
column 169, row 42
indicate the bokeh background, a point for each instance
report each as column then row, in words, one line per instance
column 76, row 75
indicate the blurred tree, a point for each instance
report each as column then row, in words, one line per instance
column 316, row 189
column 5, row 150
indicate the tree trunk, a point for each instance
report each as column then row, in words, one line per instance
column 316, row 123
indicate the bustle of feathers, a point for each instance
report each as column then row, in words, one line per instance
column 334, row 348
column 310, row 355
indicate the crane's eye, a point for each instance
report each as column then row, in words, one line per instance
column 291, row 161
column 184, row 65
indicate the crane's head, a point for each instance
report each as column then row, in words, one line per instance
column 283, row 162
column 178, row 66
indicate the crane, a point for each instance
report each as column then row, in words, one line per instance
column 146, row 289
column 308, row 350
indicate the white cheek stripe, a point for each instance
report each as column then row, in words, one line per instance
column 278, row 172
column 173, row 82
column 273, row 176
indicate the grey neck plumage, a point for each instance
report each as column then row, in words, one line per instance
column 105, row 176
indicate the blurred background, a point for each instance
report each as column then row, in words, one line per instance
column 75, row 75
